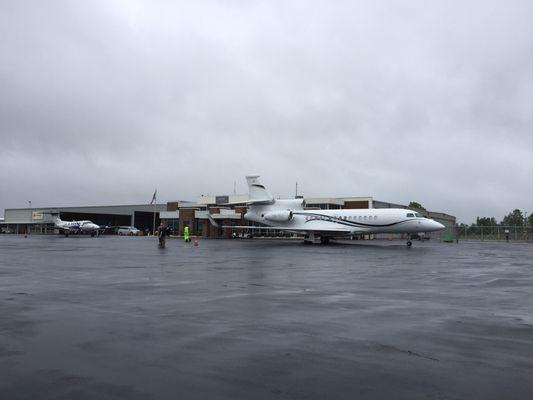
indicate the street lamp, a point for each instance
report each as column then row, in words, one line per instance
column 526, row 231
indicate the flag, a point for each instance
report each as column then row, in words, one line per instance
column 153, row 197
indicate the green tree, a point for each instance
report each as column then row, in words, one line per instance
column 530, row 219
column 515, row 218
column 486, row 221
column 414, row 204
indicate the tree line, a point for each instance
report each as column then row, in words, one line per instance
column 514, row 218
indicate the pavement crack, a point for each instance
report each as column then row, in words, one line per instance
column 391, row 348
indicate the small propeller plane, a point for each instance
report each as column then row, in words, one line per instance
column 290, row 215
column 69, row 227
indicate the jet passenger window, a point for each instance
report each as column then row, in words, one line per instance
column 410, row 215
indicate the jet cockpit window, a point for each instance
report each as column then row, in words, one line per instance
column 410, row 215
column 418, row 215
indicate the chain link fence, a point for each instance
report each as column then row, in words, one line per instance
column 515, row 233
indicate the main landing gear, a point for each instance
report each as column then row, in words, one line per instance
column 309, row 238
column 324, row 240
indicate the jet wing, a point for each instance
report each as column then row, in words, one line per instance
column 323, row 232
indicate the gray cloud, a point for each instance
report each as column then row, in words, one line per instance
column 102, row 102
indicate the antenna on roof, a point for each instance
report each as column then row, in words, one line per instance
column 296, row 195
column 234, row 187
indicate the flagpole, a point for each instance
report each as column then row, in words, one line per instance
column 155, row 203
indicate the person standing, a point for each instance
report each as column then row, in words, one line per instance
column 187, row 234
column 162, row 234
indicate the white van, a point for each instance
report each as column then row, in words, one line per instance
column 128, row 231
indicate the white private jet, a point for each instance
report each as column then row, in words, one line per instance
column 290, row 215
column 76, row 226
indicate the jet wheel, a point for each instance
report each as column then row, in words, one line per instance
column 409, row 243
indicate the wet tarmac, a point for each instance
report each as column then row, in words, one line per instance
column 119, row 318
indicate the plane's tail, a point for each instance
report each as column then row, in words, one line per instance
column 257, row 192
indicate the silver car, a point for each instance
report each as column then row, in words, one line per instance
column 128, row 231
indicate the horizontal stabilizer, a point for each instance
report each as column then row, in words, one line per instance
column 212, row 221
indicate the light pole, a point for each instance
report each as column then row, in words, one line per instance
column 526, row 233
column 27, row 226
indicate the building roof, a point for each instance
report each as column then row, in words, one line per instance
column 44, row 214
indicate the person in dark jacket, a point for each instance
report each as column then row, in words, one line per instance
column 162, row 233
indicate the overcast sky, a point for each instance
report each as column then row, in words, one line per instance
column 101, row 102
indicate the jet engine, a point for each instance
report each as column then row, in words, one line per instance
column 278, row 216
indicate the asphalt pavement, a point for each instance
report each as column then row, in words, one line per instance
column 119, row 318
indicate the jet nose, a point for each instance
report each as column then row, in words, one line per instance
column 436, row 226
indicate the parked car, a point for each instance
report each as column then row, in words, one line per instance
column 128, row 231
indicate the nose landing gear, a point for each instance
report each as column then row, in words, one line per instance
column 409, row 243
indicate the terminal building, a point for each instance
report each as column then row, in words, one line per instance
column 205, row 217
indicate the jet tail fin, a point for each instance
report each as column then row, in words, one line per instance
column 257, row 192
